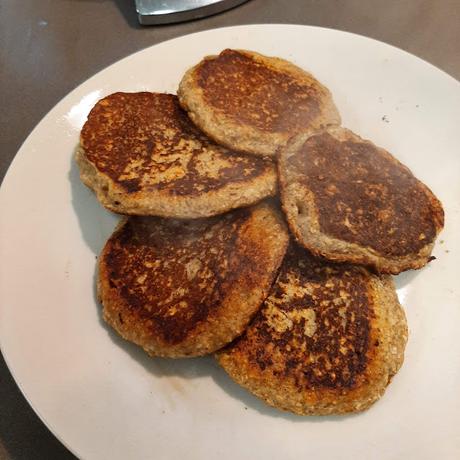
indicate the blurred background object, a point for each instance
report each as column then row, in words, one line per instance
column 151, row 12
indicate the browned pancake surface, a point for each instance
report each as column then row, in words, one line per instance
column 148, row 158
column 327, row 313
column 255, row 94
column 183, row 288
column 365, row 197
column 254, row 103
column 327, row 339
column 339, row 190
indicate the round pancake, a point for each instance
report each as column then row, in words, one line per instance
column 141, row 155
column 254, row 103
column 187, row 288
column 349, row 200
column 327, row 340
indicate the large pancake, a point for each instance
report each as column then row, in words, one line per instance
column 327, row 340
column 186, row 288
column 254, row 103
column 141, row 155
column 349, row 200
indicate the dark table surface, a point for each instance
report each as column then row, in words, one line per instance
column 49, row 47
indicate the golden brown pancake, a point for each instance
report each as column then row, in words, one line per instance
column 327, row 340
column 182, row 288
column 349, row 200
column 254, row 103
column 141, row 155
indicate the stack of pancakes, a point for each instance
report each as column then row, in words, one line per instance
column 259, row 230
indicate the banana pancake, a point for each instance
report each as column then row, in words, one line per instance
column 142, row 156
column 254, row 103
column 351, row 201
column 327, row 340
column 182, row 288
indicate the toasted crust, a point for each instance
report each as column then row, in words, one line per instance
column 327, row 340
column 351, row 201
column 187, row 288
column 141, row 155
column 254, row 103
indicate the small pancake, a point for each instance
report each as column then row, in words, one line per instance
column 141, row 155
column 351, row 201
column 327, row 340
column 187, row 288
column 254, row 103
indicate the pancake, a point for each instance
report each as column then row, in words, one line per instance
column 254, row 103
column 351, row 201
column 142, row 156
column 187, row 288
column 327, row 340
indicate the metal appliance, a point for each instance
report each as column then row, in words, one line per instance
column 151, row 12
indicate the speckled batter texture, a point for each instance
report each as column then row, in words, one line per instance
column 349, row 200
column 187, row 288
column 254, row 103
column 327, row 340
column 142, row 155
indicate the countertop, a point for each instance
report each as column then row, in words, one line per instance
column 49, row 47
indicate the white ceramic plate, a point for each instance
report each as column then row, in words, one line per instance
column 105, row 398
